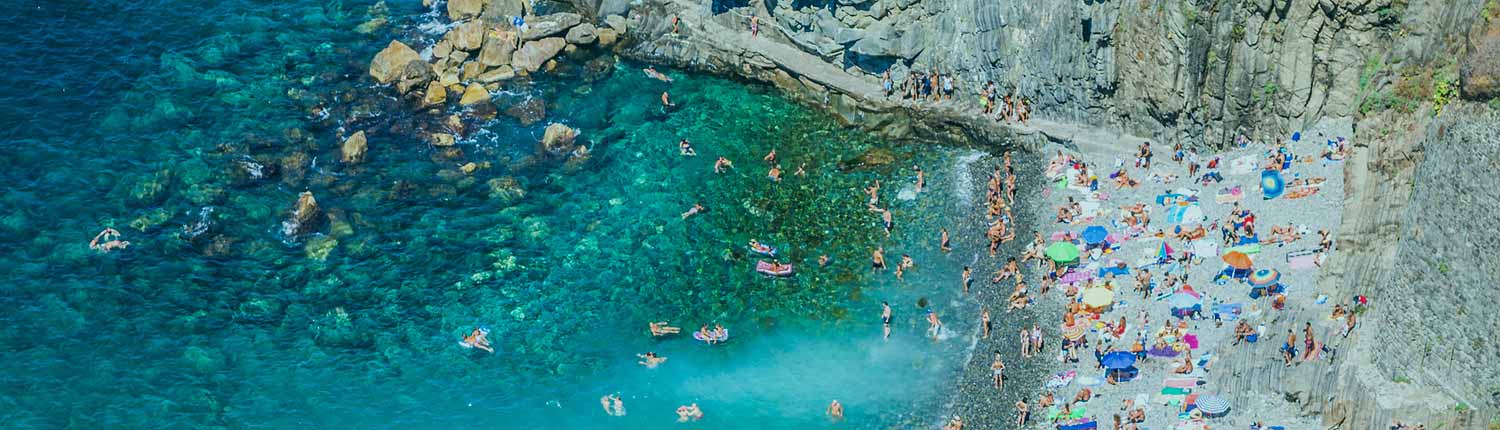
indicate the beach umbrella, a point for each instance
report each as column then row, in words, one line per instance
column 1212, row 405
column 1118, row 360
column 1183, row 300
column 1271, row 184
column 1165, row 252
column 1098, row 297
column 1264, row 277
column 1075, row 331
column 1062, row 252
column 1094, row 234
column 1237, row 260
column 1296, row 136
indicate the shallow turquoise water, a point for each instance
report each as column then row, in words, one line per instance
column 149, row 117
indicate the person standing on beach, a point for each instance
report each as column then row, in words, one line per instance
column 1025, row 343
column 968, row 279
column 1022, row 413
column 1288, row 350
column 984, row 321
column 885, row 319
column 999, row 371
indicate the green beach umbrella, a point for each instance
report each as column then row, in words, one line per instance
column 1062, row 252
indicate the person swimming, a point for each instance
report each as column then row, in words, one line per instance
column 690, row 412
column 836, row 411
column 686, row 148
column 695, row 210
column 653, row 74
column 774, row 173
column 478, row 338
column 722, row 165
column 885, row 319
column 665, row 100
column 111, row 238
column 612, row 405
column 651, row 360
column 660, row 328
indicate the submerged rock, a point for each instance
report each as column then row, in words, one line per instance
column 529, row 111
column 558, row 139
column 371, row 25
column 870, row 158
column 441, row 139
column 533, row 54
column 353, row 149
column 390, row 63
column 505, row 189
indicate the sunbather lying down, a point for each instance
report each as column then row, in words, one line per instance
column 1310, row 182
column 1282, row 235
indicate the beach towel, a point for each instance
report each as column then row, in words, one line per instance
column 1248, row 248
column 1303, row 259
column 1061, row 379
column 1229, row 195
column 1075, row 413
column 1184, row 214
column 1229, row 311
column 1176, row 391
column 1179, row 383
column 1084, row 425
column 1301, row 192
column 1205, row 247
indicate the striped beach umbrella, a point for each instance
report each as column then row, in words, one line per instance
column 1265, row 277
column 1212, row 405
column 1075, row 331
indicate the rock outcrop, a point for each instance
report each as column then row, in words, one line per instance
column 390, row 63
column 354, row 148
column 474, row 94
column 550, row 25
column 582, row 34
column 305, row 218
column 1479, row 71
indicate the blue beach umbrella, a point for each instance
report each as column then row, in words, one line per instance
column 1271, row 184
column 1094, row 234
column 1118, row 360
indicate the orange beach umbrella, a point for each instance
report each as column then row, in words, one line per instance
column 1237, row 260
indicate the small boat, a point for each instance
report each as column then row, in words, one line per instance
column 773, row 269
column 762, row 249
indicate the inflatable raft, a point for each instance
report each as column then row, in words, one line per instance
column 763, row 249
column 772, row 269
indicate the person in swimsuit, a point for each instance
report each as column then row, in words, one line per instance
column 1287, row 349
column 770, row 157
column 998, row 367
column 660, row 328
column 479, row 338
column 651, row 360
column 823, row 260
column 1308, row 343
column 943, row 241
column 696, row 209
column 774, row 173
column 111, row 241
column 686, row 148
column 877, row 259
column 921, row 177
column 968, row 278
column 801, row 169
column 1025, row 343
column 1022, row 413
column 613, row 406
column 722, row 165
column 885, row 319
column 885, row 216
column 934, row 325
column 665, row 100
column 874, row 192
column 984, row 321
column 836, row 411
column 957, row 423
column 653, row 74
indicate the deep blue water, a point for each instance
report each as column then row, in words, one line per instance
column 149, row 117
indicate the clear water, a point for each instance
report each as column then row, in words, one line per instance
column 145, row 116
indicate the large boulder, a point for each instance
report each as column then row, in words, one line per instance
column 468, row 36
column 582, row 34
column 558, row 139
column 354, row 148
column 416, row 74
column 304, row 218
column 498, row 48
column 550, row 25
column 607, row 36
column 474, row 94
column 1479, row 70
column 502, row 73
column 503, row 10
column 390, row 63
column 435, row 94
column 464, row 9
column 535, row 53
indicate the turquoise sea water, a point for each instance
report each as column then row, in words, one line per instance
column 192, row 126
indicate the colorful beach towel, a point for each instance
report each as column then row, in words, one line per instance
column 1303, row 259
column 1179, row 383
